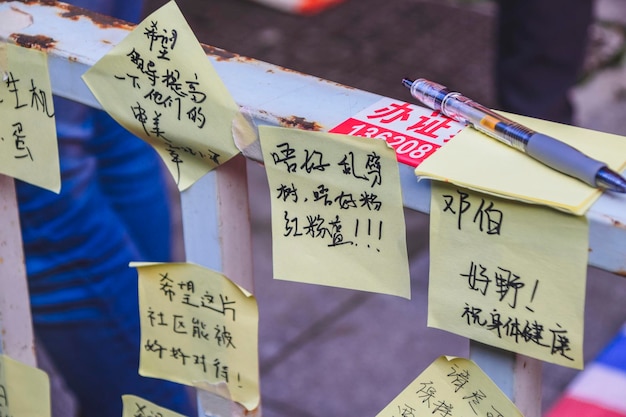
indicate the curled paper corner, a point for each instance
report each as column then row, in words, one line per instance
column 244, row 291
column 392, row 148
column 220, row 389
column 217, row 398
column 426, row 177
column 140, row 264
column 246, row 135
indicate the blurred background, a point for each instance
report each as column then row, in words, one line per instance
column 333, row 352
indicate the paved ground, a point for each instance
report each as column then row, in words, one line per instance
column 333, row 352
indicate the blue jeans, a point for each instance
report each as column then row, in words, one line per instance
column 113, row 208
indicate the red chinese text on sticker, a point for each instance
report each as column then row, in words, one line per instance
column 414, row 132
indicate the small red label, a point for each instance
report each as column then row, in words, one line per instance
column 414, row 132
column 409, row 150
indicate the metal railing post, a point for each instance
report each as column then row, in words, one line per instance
column 16, row 331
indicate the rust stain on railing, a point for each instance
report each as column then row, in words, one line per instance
column 300, row 123
column 40, row 42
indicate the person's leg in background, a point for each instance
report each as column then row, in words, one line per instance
column 134, row 179
column 540, row 52
column 83, row 294
column 112, row 209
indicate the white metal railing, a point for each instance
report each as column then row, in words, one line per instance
column 279, row 97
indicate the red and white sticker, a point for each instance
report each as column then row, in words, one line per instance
column 414, row 132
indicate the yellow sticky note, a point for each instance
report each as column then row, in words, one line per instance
column 508, row 274
column 159, row 84
column 337, row 216
column 28, row 140
column 451, row 387
column 134, row 406
column 24, row 390
column 476, row 161
column 200, row 329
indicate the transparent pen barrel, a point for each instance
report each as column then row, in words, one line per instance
column 464, row 110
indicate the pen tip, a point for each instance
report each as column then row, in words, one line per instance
column 610, row 180
column 407, row 82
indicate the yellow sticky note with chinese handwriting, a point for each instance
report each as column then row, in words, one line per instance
column 476, row 161
column 133, row 406
column 28, row 140
column 24, row 390
column 508, row 274
column 200, row 329
column 451, row 387
column 159, row 84
column 337, row 216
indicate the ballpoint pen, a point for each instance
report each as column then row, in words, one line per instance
column 546, row 149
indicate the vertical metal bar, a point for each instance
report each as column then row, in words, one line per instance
column 16, row 331
column 518, row 376
column 216, row 228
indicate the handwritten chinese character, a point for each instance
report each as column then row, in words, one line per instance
column 313, row 161
column 200, row 360
column 166, row 286
column 322, row 194
column 315, row 227
column 370, row 201
column 406, row 411
column 198, row 329
column 20, row 143
column 224, row 305
column 459, row 377
column 287, row 153
column 491, row 216
column 166, row 41
column 477, row 282
column 474, row 399
column 336, row 233
column 39, row 98
column 197, row 116
column 463, row 205
column 178, row 325
column 443, row 409
column 197, row 96
column 221, row 371
column 171, row 81
column 560, row 342
column 224, row 337
column 472, row 315
column 426, row 392
column 373, row 168
column 347, row 163
column 285, row 192
column 291, row 225
column 345, row 200
column 152, row 317
column 177, row 353
column 11, row 83
column 155, row 347
column 506, row 281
